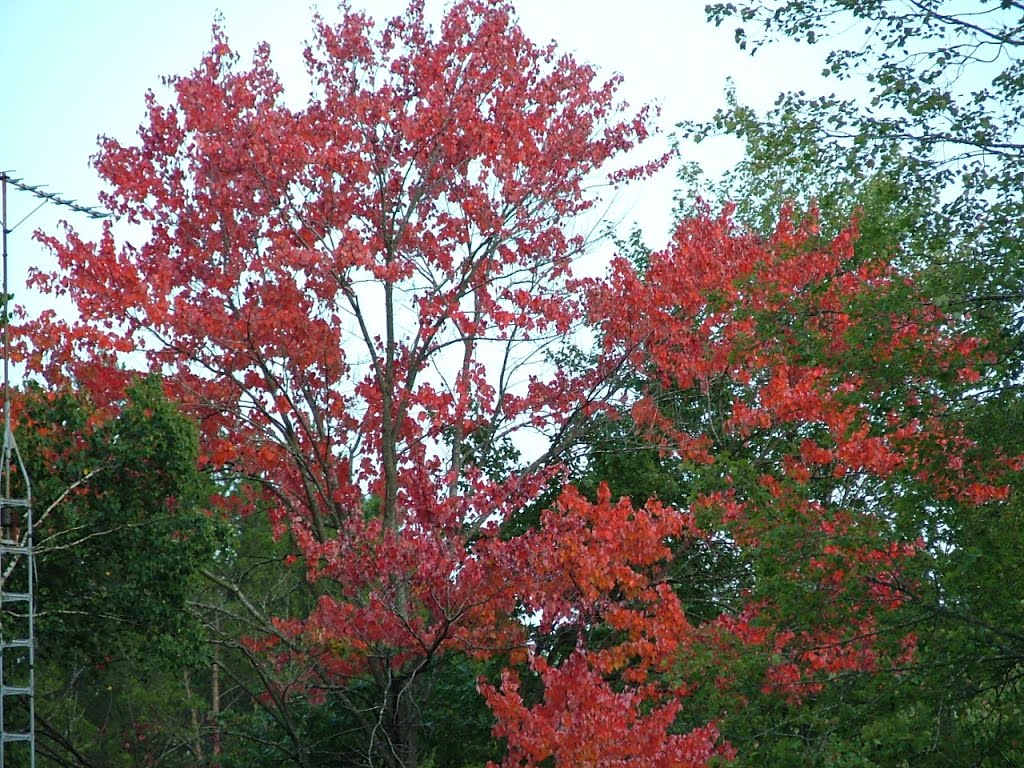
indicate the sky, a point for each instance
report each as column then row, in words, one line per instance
column 72, row 70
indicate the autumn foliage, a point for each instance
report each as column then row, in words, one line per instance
column 823, row 380
column 350, row 297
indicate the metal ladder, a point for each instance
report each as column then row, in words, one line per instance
column 17, row 613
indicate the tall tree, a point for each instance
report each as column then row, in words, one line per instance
column 927, row 152
column 347, row 295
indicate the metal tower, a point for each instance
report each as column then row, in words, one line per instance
column 17, row 572
column 17, row 564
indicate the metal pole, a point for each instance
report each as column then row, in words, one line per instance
column 7, row 349
column 7, row 480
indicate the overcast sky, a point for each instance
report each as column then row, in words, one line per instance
column 71, row 70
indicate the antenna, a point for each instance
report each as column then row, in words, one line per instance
column 17, row 565
column 51, row 197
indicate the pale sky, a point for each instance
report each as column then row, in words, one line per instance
column 71, row 70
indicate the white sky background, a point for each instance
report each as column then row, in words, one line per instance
column 71, row 70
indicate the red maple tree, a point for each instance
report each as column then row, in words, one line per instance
column 352, row 298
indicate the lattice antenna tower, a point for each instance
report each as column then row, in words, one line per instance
column 17, row 564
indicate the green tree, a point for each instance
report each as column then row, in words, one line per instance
column 121, row 534
column 930, row 145
column 931, row 164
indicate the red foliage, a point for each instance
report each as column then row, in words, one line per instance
column 791, row 336
column 583, row 721
column 341, row 293
column 349, row 296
